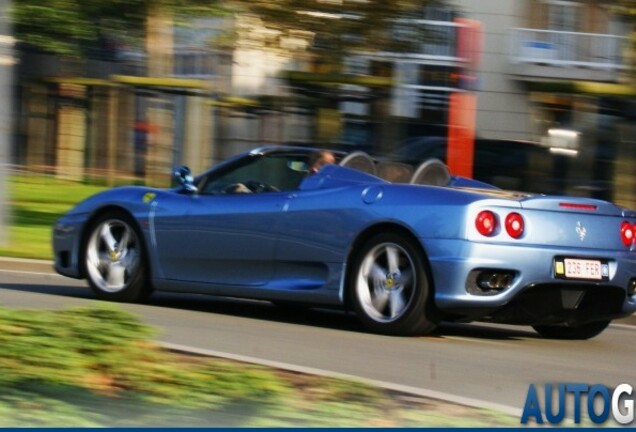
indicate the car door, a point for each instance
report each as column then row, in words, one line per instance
column 226, row 234
column 221, row 240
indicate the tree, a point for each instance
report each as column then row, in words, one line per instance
column 340, row 27
column 72, row 27
column 341, row 32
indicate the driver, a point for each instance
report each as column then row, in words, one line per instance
column 235, row 188
column 319, row 159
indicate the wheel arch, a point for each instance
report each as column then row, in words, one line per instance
column 365, row 236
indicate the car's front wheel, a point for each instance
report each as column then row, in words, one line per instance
column 114, row 259
column 389, row 286
column 583, row 331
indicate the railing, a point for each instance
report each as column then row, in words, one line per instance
column 425, row 40
column 187, row 63
column 196, row 63
column 434, row 38
column 134, row 63
column 570, row 49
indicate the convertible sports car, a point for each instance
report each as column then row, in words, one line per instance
column 402, row 256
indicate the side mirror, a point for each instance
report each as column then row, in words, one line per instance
column 183, row 176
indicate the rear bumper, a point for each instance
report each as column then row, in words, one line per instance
column 554, row 304
column 535, row 296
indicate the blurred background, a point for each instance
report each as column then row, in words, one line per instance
column 536, row 95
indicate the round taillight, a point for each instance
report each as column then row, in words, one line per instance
column 627, row 233
column 486, row 223
column 514, row 225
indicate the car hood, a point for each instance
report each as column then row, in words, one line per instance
column 122, row 196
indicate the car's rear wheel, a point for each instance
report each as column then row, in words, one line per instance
column 583, row 331
column 389, row 286
column 114, row 259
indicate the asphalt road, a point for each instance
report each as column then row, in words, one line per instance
column 494, row 364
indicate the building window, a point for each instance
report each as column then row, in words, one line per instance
column 438, row 13
column 563, row 15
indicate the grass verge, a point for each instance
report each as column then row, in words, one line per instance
column 96, row 366
column 35, row 203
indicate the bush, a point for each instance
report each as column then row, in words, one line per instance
column 57, row 360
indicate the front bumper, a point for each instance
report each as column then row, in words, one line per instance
column 67, row 233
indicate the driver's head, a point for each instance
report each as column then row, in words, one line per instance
column 319, row 159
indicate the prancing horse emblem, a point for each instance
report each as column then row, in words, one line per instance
column 581, row 231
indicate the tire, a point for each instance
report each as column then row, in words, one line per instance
column 114, row 259
column 583, row 331
column 389, row 287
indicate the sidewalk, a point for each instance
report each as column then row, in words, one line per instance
column 43, row 266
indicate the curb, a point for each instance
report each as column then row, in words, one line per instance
column 27, row 265
column 413, row 391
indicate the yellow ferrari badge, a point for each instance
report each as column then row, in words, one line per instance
column 148, row 197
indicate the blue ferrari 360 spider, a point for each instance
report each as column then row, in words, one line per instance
column 403, row 248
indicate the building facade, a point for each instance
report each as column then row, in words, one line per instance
column 553, row 72
column 558, row 72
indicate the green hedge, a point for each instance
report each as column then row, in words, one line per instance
column 78, row 366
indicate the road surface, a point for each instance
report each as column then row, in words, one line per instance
column 493, row 364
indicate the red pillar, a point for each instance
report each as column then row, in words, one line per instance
column 462, row 110
column 461, row 133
